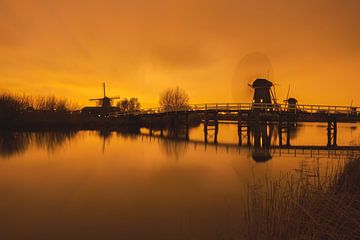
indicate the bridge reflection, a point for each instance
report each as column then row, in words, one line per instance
column 264, row 140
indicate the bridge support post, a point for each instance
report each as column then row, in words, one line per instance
column 248, row 130
column 288, row 134
column 216, row 123
column 332, row 133
column 187, row 125
column 162, row 122
column 335, row 134
column 280, row 134
column 243, row 129
column 211, row 124
column 240, row 128
column 150, row 127
column 248, row 134
column 205, row 127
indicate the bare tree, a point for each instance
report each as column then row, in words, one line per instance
column 174, row 99
column 129, row 105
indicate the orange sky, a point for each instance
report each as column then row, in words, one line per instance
column 140, row 47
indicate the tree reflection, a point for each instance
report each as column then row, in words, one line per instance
column 13, row 143
column 173, row 148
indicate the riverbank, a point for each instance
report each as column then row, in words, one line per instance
column 49, row 120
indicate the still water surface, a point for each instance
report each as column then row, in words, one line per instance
column 90, row 185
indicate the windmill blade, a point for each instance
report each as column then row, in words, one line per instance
column 288, row 92
column 104, row 89
column 275, row 97
column 96, row 99
column 287, row 97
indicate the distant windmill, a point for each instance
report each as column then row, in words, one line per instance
column 104, row 102
column 290, row 103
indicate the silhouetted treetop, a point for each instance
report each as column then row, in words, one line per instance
column 174, row 99
column 129, row 105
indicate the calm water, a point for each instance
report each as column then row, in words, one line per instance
column 90, row 185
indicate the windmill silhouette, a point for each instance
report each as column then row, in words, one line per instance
column 104, row 102
column 290, row 102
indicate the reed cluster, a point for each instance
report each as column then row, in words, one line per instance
column 304, row 206
column 17, row 103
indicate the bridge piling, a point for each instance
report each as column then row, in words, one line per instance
column 243, row 126
column 205, row 126
column 211, row 123
column 288, row 135
column 245, row 115
column 187, row 125
column 239, row 128
column 280, row 131
column 332, row 133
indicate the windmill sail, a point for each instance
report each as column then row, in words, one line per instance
column 104, row 102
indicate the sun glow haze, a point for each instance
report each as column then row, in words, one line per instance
column 139, row 47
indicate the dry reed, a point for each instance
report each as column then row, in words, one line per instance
column 12, row 102
column 304, row 206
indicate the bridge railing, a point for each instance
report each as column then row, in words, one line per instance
column 324, row 109
column 264, row 107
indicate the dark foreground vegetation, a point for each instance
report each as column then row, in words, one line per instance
column 26, row 111
column 306, row 207
column 21, row 112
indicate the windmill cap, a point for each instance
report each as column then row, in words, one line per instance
column 292, row 100
column 261, row 82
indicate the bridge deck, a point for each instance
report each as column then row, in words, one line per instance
column 231, row 111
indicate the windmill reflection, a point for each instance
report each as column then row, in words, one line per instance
column 261, row 135
column 265, row 135
column 106, row 134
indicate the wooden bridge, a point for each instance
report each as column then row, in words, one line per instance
column 249, row 116
column 250, row 107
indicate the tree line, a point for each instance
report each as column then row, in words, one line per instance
column 170, row 99
column 12, row 102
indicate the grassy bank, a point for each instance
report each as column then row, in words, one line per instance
column 21, row 112
column 308, row 206
column 17, row 103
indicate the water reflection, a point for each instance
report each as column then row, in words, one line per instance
column 262, row 141
column 265, row 135
column 13, row 143
column 262, row 135
column 173, row 148
column 166, row 186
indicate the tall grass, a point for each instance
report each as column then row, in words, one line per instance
column 16, row 103
column 305, row 206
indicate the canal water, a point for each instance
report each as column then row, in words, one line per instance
column 112, row 185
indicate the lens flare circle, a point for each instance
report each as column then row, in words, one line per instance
column 252, row 66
